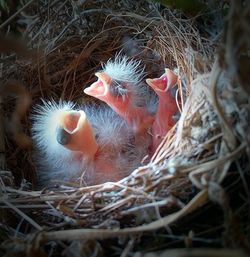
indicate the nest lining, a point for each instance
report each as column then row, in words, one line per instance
column 197, row 152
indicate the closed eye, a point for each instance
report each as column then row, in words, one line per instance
column 118, row 88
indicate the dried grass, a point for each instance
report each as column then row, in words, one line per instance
column 187, row 170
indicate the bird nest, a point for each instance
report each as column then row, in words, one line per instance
column 170, row 201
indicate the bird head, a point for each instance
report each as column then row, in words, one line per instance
column 105, row 90
column 119, row 81
column 75, row 132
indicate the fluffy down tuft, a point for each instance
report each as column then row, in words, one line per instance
column 124, row 69
column 117, row 156
column 52, row 158
column 45, row 120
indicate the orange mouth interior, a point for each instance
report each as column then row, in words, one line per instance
column 70, row 121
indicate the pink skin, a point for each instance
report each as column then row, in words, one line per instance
column 137, row 117
column 77, row 130
column 167, row 106
column 81, row 141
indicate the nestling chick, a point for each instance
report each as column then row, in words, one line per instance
column 120, row 86
column 167, row 106
column 92, row 142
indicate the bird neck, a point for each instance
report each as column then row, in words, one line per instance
column 164, row 117
column 121, row 105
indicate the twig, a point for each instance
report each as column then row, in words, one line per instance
column 23, row 215
column 197, row 253
column 2, row 134
column 128, row 247
column 77, row 234
column 15, row 14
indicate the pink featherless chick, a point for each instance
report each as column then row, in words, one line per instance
column 167, row 106
column 91, row 143
column 120, row 86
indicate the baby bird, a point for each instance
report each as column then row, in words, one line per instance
column 91, row 142
column 167, row 106
column 120, row 86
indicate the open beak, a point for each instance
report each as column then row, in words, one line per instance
column 163, row 84
column 167, row 106
column 76, row 134
column 99, row 88
column 102, row 90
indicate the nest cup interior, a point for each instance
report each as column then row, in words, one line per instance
column 195, row 165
